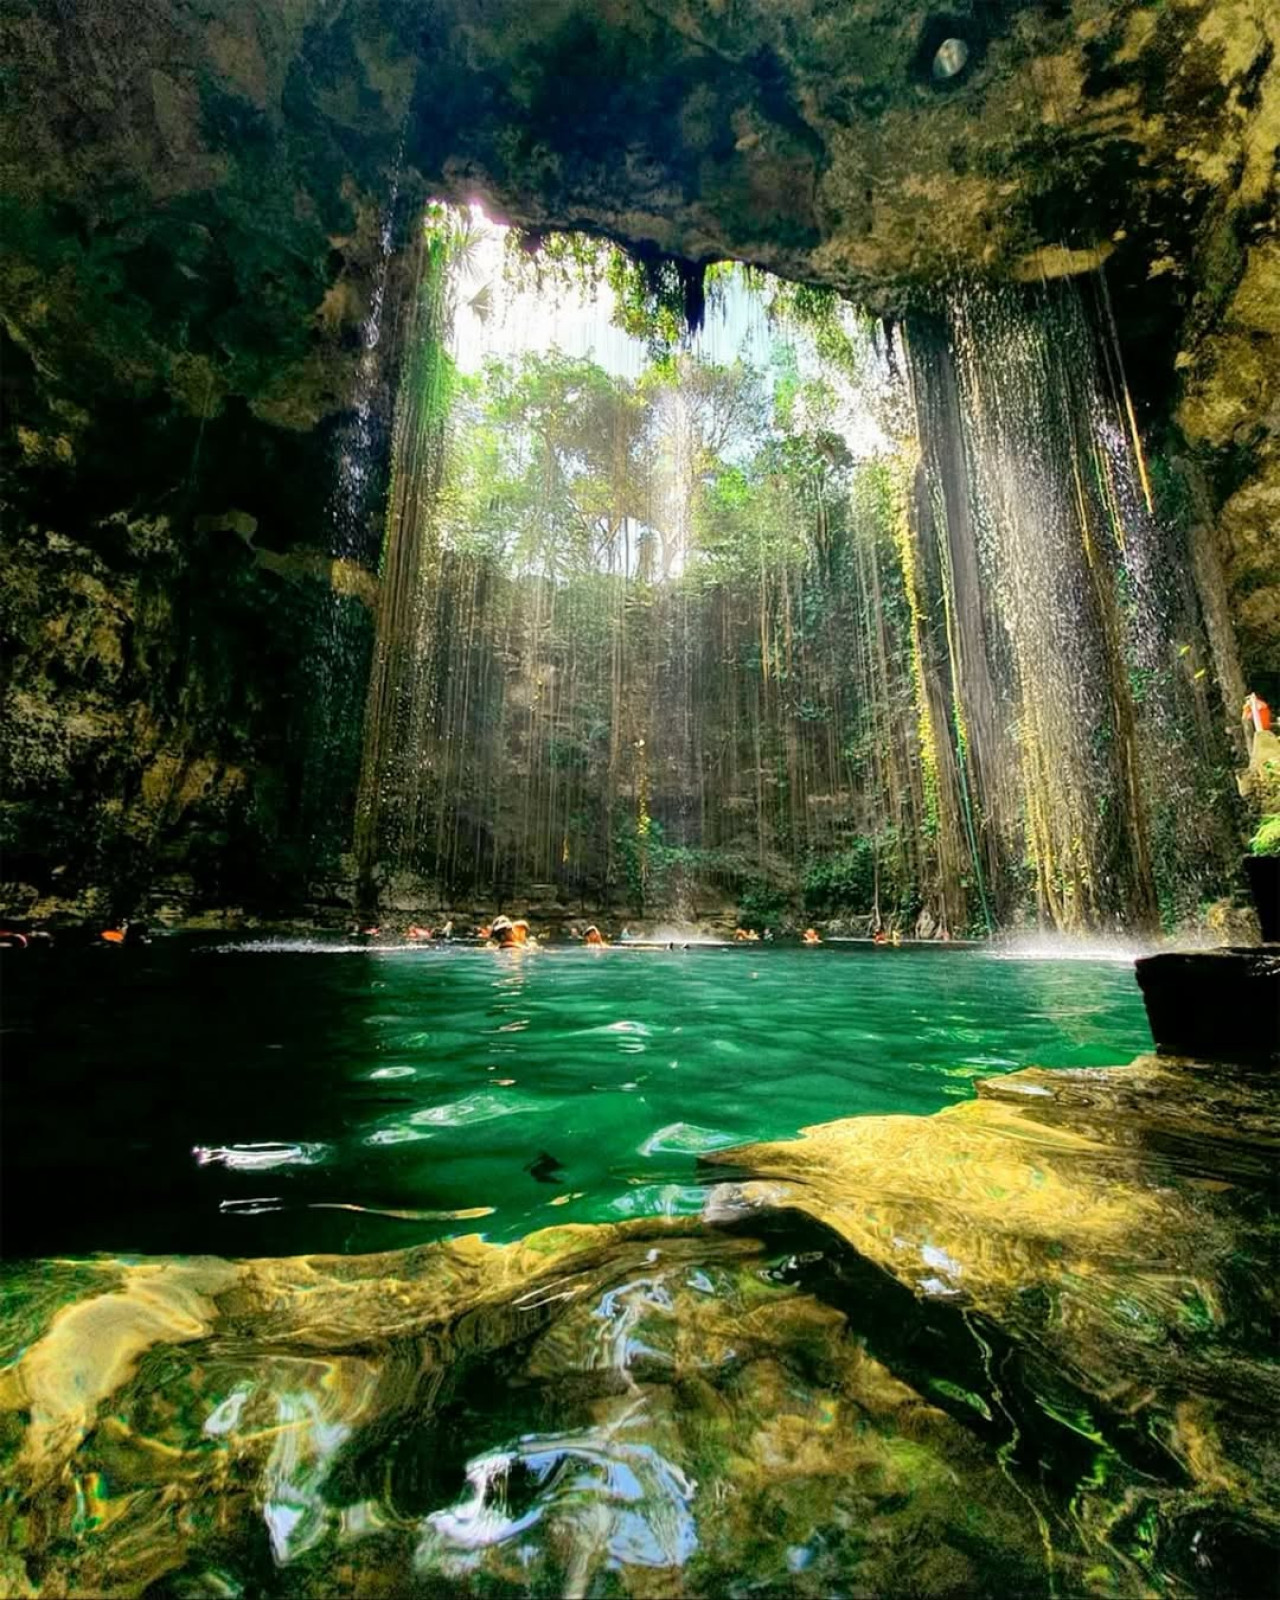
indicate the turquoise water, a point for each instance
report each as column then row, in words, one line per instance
column 276, row 1099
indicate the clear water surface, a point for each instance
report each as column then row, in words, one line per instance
column 272, row 1100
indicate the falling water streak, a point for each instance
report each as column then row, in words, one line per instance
column 338, row 643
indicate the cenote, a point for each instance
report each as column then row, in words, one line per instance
column 429, row 1082
column 639, row 809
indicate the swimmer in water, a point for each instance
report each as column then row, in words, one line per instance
column 594, row 936
column 520, row 931
column 415, row 933
column 811, row 936
column 502, row 934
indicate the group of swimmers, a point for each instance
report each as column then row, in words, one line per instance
column 506, row 933
column 503, row 933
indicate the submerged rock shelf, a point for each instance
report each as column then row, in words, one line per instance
column 1022, row 1346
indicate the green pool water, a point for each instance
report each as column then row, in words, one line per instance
column 271, row 1100
column 1023, row 1352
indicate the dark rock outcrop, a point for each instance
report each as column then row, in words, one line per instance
column 1224, row 1003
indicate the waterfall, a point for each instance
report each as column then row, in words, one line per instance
column 330, row 731
column 1076, row 659
column 402, row 690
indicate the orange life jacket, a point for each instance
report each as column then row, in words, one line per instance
column 1257, row 711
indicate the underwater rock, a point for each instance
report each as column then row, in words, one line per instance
column 1117, row 1225
column 638, row 1407
column 1019, row 1347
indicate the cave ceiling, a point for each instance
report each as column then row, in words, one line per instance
column 195, row 192
column 873, row 146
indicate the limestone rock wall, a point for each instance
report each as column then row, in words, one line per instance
column 158, row 748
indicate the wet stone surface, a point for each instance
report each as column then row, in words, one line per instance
column 1023, row 1346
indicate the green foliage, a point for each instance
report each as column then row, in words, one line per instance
column 1266, row 841
column 684, row 562
column 761, row 904
column 653, row 870
column 649, row 299
column 656, row 298
column 843, row 882
column 839, row 335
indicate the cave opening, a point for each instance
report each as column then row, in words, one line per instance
column 747, row 604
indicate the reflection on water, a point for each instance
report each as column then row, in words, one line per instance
column 250, row 1103
column 1023, row 1347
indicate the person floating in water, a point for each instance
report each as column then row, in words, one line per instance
column 594, row 936
column 501, row 934
column 520, row 930
column 416, row 933
column 811, row 936
column 879, row 937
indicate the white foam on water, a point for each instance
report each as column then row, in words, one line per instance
column 288, row 947
column 396, row 1135
column 672, row 933
column 627, row 1503
column 1065, row 947
column 659, row 1200
column 686, row 1138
